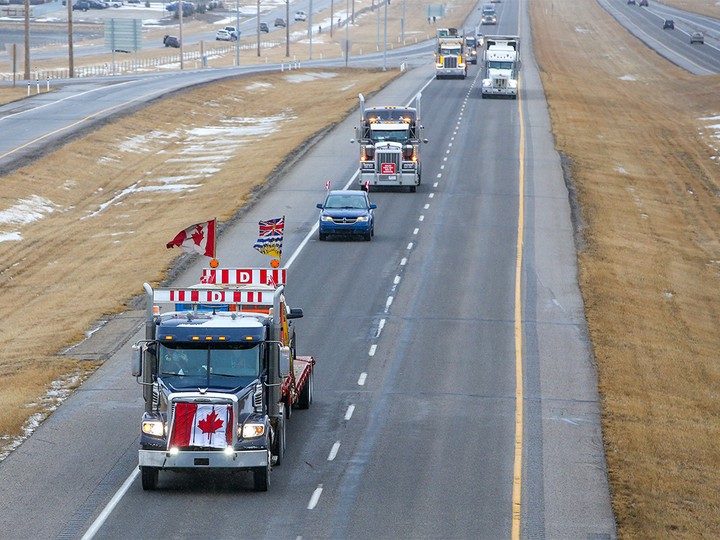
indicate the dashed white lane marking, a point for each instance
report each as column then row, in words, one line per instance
column 381, row 325
column 388, row 303
column 333, row 451
column 421, row 218
column 416, row 231
column 315, row 497
column 435, row 184
column 426, row 206
column 410, row 245
column 396, row 280
column 361, row 379
column 372, row 350
column 403, row 261
column 349, row 412
column 431, row 195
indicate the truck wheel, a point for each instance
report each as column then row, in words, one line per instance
column 412, row 189
column 306, row 395
column 149, row 477
column 261, row 476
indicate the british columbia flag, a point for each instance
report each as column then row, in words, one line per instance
column 270, row 237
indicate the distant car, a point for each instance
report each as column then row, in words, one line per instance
column 82, row 5
column 264, row 27
column 697, row 37
column 223, row 35
column 97, row 4
column 279, row 22
column 631, row 2
column 488, row 18
column 300, row 16
column 133, row 1
column 669, row 24
column 347, row 212
column 643, row 3
column 171, row 41
column 116, row 3
column 233, row 31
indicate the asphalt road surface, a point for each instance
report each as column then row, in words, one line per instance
column 431, row 349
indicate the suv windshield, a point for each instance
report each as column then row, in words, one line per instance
column 228, row 366
column 346, row 201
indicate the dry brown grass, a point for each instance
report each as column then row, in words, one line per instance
column 649, row 268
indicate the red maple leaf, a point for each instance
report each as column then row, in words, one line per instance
column 198, row 235
column 211, row 423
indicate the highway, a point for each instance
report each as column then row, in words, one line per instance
column 455, row 393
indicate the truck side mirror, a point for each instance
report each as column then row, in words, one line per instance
column 136, row 361
column 284, row 361
column 295, row 313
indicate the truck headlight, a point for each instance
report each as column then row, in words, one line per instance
column 487, row 82
column 250, row 431
column 154, row 428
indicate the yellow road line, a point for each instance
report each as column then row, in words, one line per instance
column 517, row 465
column 517, row 468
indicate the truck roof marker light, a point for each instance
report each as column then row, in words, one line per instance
column 222, row 338
column 168, row 338
column 208, row 338
column 195, row 338
column 248, row 338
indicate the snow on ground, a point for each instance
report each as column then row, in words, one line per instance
column 712, row 131
column 23, row 212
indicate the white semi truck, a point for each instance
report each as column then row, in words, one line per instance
column 390, row 138
column 501, row 62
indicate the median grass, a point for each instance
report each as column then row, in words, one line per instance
column 637, row 153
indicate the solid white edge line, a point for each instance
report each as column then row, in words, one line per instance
column 95, row 527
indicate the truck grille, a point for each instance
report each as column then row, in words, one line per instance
column 500, row 83
column 450, row 61
column 387, row 157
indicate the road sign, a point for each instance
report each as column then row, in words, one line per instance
column 123, row 34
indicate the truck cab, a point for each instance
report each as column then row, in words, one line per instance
column 219, row 374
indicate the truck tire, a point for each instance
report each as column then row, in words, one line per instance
column 412, row 189
column 149, row 476
column 306, row 396
column 261, row 476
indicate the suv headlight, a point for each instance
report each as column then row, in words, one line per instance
column 362, row 218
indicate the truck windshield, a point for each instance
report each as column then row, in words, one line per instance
column 392, row 135
column 227, row 365
column 499, row 65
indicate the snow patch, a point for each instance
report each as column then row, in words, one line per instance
column 628, row 78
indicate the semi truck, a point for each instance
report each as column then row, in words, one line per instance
column 390, row 138
column 449, row 54
column 501, row 61
column 219, row 375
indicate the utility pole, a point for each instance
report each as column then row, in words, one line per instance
column 181, row 8
column 237, row 29
column 27, row 40
column 71, row 59
column 332, row 16
column 310, row 31
column 258, row 28
column 287, row 28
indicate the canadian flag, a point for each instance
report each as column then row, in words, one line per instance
column 198, row 238
column 208, row 426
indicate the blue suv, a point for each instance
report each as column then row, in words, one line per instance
column 347, row 212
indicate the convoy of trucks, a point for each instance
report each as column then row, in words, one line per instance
column 220, row 375
column 501, row 61
column 390, row 138
column 449, row 54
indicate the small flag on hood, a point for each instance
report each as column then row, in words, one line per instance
column 270, row 237
column 198, row 238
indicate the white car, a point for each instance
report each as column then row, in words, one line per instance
column 226, row 34
column 300, row 16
